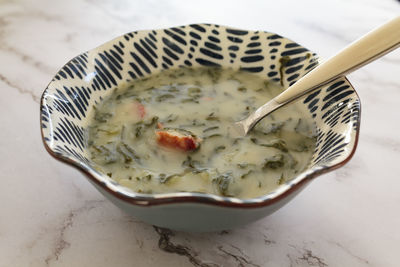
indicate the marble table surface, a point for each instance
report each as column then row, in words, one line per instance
column 51, row 216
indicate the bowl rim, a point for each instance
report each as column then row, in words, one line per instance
column 144, row 200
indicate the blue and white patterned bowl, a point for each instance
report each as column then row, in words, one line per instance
column 88, row 78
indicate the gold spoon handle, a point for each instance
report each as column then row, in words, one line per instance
column 369, row 47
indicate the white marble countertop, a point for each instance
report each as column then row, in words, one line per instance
column 51, row 216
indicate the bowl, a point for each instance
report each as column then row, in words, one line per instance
column 84, row 81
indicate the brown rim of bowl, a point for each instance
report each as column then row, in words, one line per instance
column 209, row 199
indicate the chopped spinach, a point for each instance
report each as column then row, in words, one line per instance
column 123, row 133
column 138, row 130
column 278, row 144
column 302, row 147
column 222, row 182
column 212, row 136
column 173, row 89
column 212, row 117
column 214, row 73
column 302, row 127
column 105, row 154
column 108, row 132
column 164, row 97
column 128, row 153
column 237, row 140
column 102, row 116
column 283, row 60
column 281, row 180
column 194, row 91
column 147, row 177
column 163, row 178
column 140, row 126
column 242, row 165
column 243, row 176
column 194, row 123
column 254, row 140
column 242, row 89
column 190, row 163
column 171, row 118
column 219, row 149
column 274, row 162
column 190, row 100
column 210, row 128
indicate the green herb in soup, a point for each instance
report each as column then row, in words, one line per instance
column 172, row 132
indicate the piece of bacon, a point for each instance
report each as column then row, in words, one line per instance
column 160, row 125
column 176, row 140
column 140, row 109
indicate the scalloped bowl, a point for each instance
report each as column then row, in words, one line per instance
column 88, row 78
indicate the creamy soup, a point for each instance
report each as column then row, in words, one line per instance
column 172, row 132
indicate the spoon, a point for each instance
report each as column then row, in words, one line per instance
column 369, row 47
